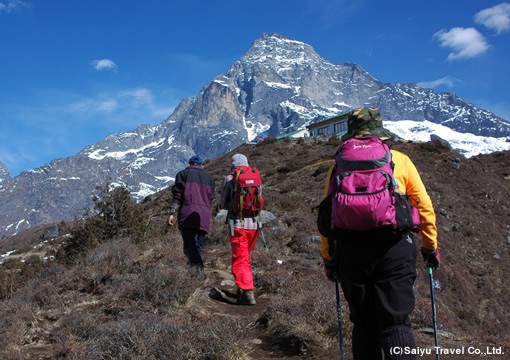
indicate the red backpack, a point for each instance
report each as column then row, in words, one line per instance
column 247, row 192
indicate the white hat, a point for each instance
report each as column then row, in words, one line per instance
column 239, row 160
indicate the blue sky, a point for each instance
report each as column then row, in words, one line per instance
column 72, row 72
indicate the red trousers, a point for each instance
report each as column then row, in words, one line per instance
column 243, row 241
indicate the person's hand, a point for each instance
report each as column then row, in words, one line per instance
column 432, row 258
column 330, row 271
column 171, row 220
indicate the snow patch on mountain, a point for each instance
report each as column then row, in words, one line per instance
column 467, row 144
column 253, row 129
column 100, row 154
column 145, row 190
column 276, row 85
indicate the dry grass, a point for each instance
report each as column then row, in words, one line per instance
column 119, row 286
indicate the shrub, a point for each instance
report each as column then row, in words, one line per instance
column 306, row 322
column 268, row 140
column 115, row 215
column 159, row 287
column 15, row 318
column 147, row 336
column 15, row 273
column 120, row 214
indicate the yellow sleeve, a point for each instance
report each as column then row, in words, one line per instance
column 324, row 240
column 410, row 183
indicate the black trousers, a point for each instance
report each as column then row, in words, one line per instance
column 193, row 242
column 377, row 277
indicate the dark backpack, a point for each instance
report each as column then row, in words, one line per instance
column 247, row 197
column 363, row 195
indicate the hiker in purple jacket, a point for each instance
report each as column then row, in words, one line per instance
column 192, row 194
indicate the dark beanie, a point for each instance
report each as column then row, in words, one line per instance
column 196, row 160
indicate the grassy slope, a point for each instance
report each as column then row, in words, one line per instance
column 132, row 297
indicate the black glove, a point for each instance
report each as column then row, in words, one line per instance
column 330, row 270
column 432, row 258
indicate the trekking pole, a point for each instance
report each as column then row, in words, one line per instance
column 264, row 240
column 434, row 314
column 339, row 317
column 259, row 225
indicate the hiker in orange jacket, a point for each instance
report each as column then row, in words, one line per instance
column 244, row 231
column 377, row 272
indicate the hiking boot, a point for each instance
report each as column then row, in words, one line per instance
column 245, row 297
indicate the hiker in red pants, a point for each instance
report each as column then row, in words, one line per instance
column 241, row 195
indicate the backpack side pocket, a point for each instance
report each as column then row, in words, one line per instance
column 408, row 217
column 324, row 216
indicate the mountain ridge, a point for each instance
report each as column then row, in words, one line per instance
column 279, row 86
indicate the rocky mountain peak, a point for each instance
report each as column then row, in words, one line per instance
column 279, row 52
column 279, row 86
column 4, row 173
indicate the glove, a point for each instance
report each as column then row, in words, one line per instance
column 330, row 270
column 432, row 258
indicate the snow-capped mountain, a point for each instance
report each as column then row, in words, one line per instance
column 468, row 145
column 279, row 86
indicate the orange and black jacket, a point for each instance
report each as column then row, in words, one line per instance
column 410, row 183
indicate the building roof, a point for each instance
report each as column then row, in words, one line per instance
column 290, row 134
column 328, row 121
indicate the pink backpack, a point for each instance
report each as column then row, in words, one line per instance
column 363, row 189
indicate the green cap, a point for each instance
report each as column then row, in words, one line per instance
column 365, row 122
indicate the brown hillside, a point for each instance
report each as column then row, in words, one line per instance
column 130, row 295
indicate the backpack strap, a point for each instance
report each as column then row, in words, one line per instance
column 236, row 179
column 257, row 199
column 259, row 208
column 236, row 174
column 241, row 202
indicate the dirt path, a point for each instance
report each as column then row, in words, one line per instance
column 222, row 302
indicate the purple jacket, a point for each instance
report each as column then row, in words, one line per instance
column 193, row 192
